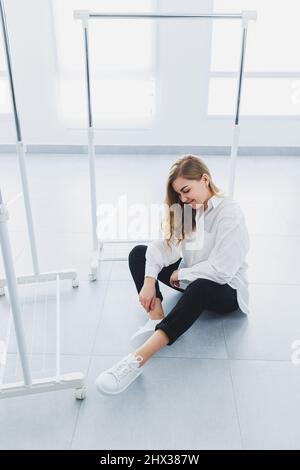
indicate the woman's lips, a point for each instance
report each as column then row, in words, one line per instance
column 191, row 202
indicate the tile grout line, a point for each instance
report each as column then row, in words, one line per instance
column 204, row 358
column 90, row 359
column 233, row 389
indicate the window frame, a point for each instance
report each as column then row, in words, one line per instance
column 260, row 75
column 121, row 124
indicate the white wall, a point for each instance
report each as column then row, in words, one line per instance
column 183, row 58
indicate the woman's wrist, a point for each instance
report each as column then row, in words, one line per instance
column 149, row 280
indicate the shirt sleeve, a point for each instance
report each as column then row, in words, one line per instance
column 227, row 255
column 159, row 255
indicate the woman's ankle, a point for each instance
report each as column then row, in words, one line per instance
column 157, row 313
column 155, row 343
column 156, row 317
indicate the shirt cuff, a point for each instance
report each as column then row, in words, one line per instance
column 152, row 271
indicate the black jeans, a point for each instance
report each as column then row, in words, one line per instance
column 200, row 295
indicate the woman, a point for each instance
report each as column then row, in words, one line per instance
column 206, row 263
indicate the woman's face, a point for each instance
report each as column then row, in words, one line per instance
column 192, row 191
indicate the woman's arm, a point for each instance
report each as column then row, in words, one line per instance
column 159, row 255
column 225, row 259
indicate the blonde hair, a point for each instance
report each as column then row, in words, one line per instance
column 190, row 167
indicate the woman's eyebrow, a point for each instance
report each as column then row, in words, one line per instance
column 181, row 189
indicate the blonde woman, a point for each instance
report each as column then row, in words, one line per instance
column 207, row 263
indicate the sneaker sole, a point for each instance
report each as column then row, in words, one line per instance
column 119, row 391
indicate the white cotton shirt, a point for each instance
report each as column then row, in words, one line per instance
column 222, row 237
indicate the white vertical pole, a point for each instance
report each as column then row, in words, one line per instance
column 93, row 189
column 13, row 292
column 91, row 144
column 29, row 218
column 58, row 369
column 19, row 144
column 236, row 129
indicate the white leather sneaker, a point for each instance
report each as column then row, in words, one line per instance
column 143, row 333
column 119, row 376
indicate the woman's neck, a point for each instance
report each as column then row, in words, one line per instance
column 206, row 202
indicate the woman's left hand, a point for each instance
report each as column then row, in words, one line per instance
column 174, row 279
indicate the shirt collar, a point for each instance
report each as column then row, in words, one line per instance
column 214, row 201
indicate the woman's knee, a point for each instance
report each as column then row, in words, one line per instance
column 137, row 252
column 202, row 284
column 202, row 288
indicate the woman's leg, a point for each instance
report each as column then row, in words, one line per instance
column 200, row 295
column 137, row 262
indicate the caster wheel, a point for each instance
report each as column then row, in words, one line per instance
column 92, row 277
column 2, row 292
column 80, row 393
column 75, row 283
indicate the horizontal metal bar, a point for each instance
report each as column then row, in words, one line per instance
column 149, row 150
column 245, row 15
column 73, row 380
column 43, row 277
column 167, row 15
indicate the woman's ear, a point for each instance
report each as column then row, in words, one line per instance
column 206, row 180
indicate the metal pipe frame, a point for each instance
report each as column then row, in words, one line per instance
column 13, row 291
column 28, row 386
column 236, row 127
column 168, row 16
column 246, row 15
column 85, row 16
column 37, row 276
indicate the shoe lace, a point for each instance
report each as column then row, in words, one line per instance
column 123, row 368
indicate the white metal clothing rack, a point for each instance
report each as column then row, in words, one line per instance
column 85, row 16
column 29, row 386
column 37, row 276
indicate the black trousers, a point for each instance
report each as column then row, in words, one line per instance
column 200, row 295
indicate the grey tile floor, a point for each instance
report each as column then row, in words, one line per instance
column 227, row 383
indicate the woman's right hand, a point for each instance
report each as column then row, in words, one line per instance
column 147, row 295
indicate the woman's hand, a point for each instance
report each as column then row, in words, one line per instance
column 147, row 295
column 174, row 279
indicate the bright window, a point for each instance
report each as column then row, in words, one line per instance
column 272, row 67
column 122, row 61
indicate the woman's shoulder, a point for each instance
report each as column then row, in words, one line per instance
column 229, row 207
